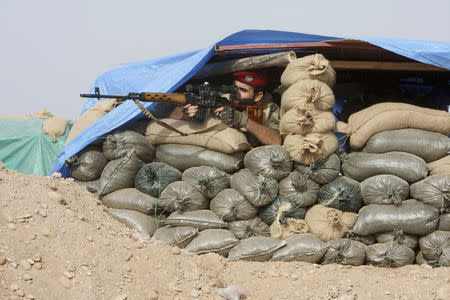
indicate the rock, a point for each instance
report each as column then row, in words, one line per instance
column 129, row 256
column 12, row 226
column 36, row 257
column 27, row 277
column 13, row 287
column 443, row 292
column 45, row 232
column 37, row 265
column 65, row 282
column 175, row 250
column 2, row 261
column 43, row 213
column 121, row 297
column 127, row 268
column 70, row 266
column 233, row 292
column 24, row 264
column 68, row 275
column 31, row 297
column 90, row 238
column 195, row 293
column 30, row 261
column 20, row 293
column 150, row 295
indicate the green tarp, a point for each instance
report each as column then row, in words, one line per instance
column 25, row 148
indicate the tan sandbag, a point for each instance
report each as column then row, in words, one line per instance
column 440, row 166
column 389, row 116
column 44, row 114
column 304, row 120
column 90, row 116
column 211, row 134
column 314, row 66
column 307, row 93
column 55, row 126
column 329, row 223
column 305, row 149
column 289, row 228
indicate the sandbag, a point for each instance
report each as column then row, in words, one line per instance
column 54, row 126
column 409, row 167
column 257, row 189
column 282, row 207
column 345, row 252
column 211, row 134
column 118, row 143
column 199, row 219
column 181, row 196
column 444, row 222
column 425, row 144
column 91, row 186
column 389, row 116
column 271, row 161
column 132, row 199
column 256, row 248
column 305, row 149
column 299, row 189
column 329, row 223
column 302, row 247
column 208, row 180
column 419, row 259
column 230, row 205
column 175, row 236
column 304, row 120
column 390, row 254
column 343, row 193
column 398, row 236
column 153, row 178
column 440, row 166
column 183, row 157
column 218, row 241
column 314, row 66
column 384, row 189
column 289, row 228
column 435, row 248
column 243, row 229
column 88, row 164
column 321, row 170
column 90, row 116
column 135, row 220
column 366, row 240
column 119, row 173
column 433, row 190
column 413, row 217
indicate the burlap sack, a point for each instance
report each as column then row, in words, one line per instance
column 211, row 134
column 314, row 66
column 305, row 149
column 440, row 166
column 91, row 116
column 329, row 223
column 44, row 114
column 303, row 120
column 307, row 94
column 389, row 116
column 55, row 126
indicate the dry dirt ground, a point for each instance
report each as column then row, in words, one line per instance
column 69, row 248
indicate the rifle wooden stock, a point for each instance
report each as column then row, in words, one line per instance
column 165, row 97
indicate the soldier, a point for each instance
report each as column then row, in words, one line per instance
column 250, row 90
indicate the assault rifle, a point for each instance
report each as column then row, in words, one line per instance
column 205, row 96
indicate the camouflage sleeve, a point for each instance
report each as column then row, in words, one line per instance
column 272, row 116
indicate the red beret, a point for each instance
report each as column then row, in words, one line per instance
column 256, row 78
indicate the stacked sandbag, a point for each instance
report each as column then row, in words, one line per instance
column 440, row 166
column 88, row 164
column 153, row 178
column 435, row 248
column 306, row 120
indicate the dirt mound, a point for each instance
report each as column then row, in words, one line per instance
column 56, row 242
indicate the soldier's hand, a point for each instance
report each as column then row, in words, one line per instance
column 189, row 111
column 233, row 117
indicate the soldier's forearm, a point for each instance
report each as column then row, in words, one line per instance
column 264, row 134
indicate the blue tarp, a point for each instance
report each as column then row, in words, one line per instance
column 168, row 73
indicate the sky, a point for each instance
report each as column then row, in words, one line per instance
column 53, row 50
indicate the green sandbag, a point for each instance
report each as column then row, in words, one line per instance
column 230, row 205
column 398, row 236
column 88, row 164
column 218, row 241
column 435, row 248
column 345, row 252
column 390, row 254
column 299, row 189
column 243, row 229
column 384, row 189
column 175, row 236
column 342, row 193
column 181, row 196
column 302, row 247
column 425, row 144
column 444, row 222
column 269, row 212
column 199, row 219
column 117, row 144
column 366, row 240
column 433, row 190
column 208, row 180
column 153, row 178
column 360, row 165
column 257, row 189
column 119, row 174
column 91, row 186
column 256, row 248
column 271, row 161
column 184, row 157
column 321, row 171
column 132, row 199
column 135, row 220
column 412, row 217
